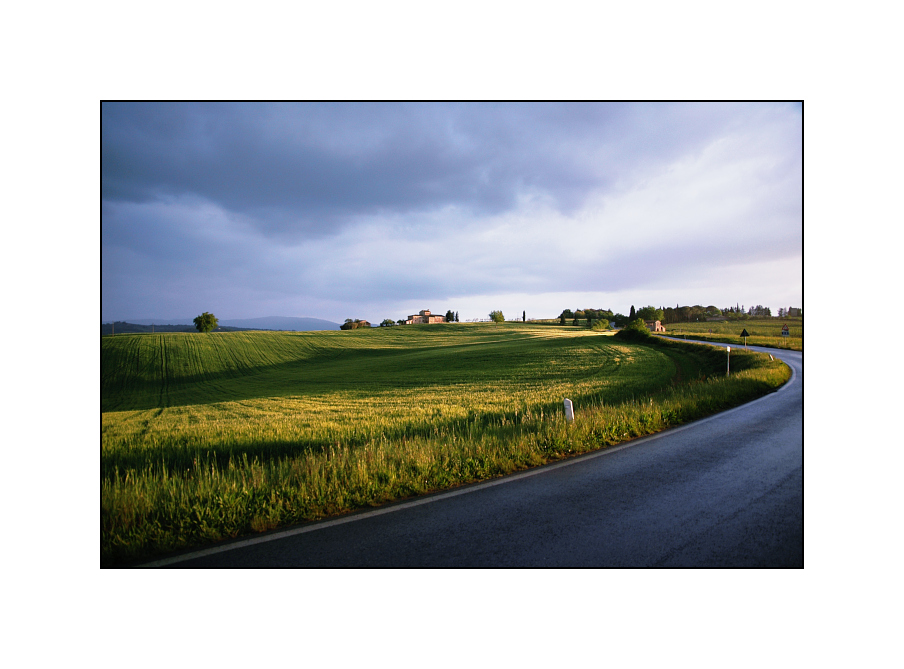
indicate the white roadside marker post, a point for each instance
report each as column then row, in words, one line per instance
column 728, row 362
column 569, row 411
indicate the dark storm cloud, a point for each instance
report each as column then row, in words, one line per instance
column 308, row 169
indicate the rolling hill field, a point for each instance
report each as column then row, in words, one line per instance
column 210, row 436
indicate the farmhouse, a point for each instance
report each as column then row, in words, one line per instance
column 655, row 326
column 425, row 317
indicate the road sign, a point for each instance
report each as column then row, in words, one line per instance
column 784, row 331
column 744, row 333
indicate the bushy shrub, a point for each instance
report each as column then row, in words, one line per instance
column 636, row 330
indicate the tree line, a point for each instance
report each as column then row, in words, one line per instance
column 678, row 314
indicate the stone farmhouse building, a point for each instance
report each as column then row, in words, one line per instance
column 655, row 326
column 425, row 317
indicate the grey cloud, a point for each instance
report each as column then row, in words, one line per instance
column 242, row 206
column 309, row 169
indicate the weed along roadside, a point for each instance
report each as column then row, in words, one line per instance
column 209, row 438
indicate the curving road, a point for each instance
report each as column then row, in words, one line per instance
column 725, row 491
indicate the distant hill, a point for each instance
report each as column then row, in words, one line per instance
column 187, row 324
column 123, row 327
column 281, row 323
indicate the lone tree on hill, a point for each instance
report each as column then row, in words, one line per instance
column 497, row 317
column 205, row 322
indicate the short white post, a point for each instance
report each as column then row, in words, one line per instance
column 728, row 362
column 569, row 411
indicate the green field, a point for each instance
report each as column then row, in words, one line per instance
column 210, row 436
column 762, row 331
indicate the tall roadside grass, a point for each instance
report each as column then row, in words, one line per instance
column 187, row 476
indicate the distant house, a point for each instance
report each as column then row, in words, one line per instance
column 655, row 326
column 425, row 317
column 793, row 312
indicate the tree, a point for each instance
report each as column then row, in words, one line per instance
column 387, row 322
column 497, row 317
column 524, row 317
column 450, row 316
column 456, row 317
column 206, row 322
column 633, row 313
column 650, row 313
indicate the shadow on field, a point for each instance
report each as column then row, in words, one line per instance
column 333, row 370
column 185, row 453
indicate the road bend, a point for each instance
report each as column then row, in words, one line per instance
column 725, row 491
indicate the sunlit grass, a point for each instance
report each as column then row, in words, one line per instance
column 286, row 428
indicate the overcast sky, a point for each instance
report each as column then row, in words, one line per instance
column 379, row 210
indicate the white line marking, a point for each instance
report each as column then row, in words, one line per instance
column 322, row 525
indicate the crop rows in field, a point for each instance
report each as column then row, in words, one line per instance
column 243, row 390
column 212, row 435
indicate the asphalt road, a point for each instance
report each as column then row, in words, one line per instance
column 726, row 491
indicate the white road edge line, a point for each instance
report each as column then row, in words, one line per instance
column 322, row 525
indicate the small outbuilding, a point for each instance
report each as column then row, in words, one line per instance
column 655, row 326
